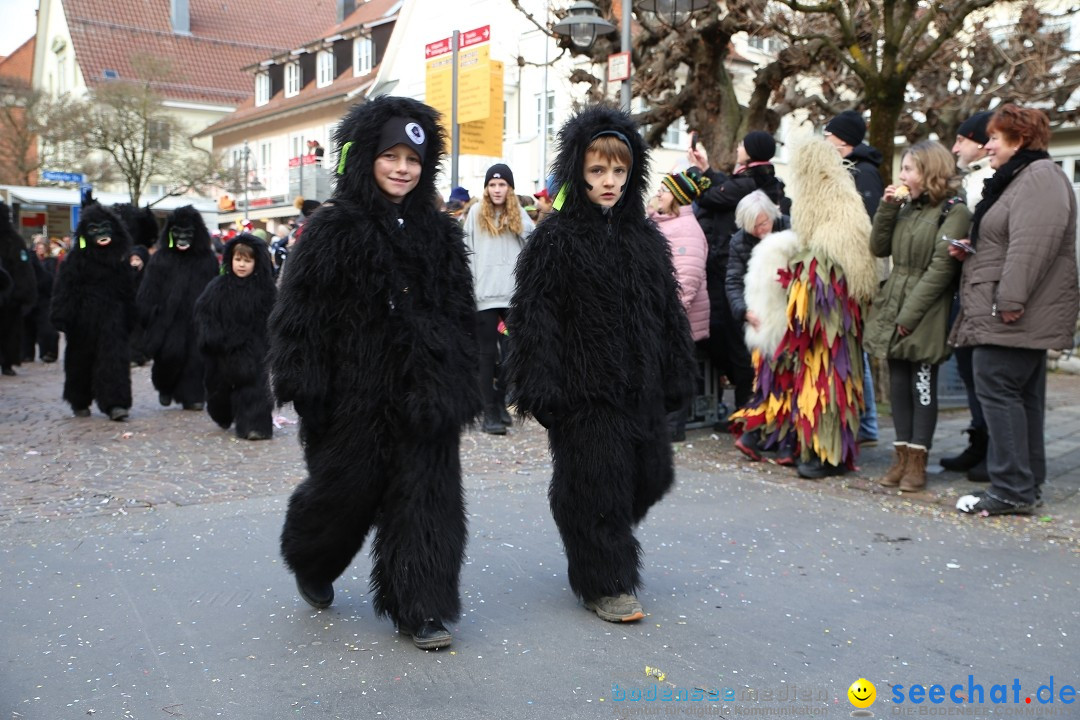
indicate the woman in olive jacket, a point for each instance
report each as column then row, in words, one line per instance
column 909, row 321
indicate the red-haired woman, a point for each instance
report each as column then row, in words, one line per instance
column 1019, row 298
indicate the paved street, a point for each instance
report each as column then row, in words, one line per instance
column 139, row 577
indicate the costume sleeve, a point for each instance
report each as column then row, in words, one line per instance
column 534, row 322
column 725, row 195
column 152, row 302
column 941, row 274
column 62, row 312
column 1037, row 223
column 214, row 335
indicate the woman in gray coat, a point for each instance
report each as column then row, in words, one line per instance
column 1019, row 298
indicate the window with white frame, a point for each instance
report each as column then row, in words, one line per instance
column 363, row 55
column 325, row 63
column 545, row 116
column 265, row 155
column 297, row 147
column 675, row 135
column 61, row 74
column 292, row 79
column 262, row 88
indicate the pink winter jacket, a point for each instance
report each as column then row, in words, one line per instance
column 689, row 250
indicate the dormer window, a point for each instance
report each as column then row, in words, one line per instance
column 292, row 79
column 363, row 56
column 262, row 89
column 325, row 63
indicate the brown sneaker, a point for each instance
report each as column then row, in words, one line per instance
column 616, row 608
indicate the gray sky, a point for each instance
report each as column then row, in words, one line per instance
column 20, row 23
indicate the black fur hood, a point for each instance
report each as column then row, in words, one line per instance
column 186, row 216
column 569, row 167
column 362, row 127
column 140, row 222
column 264, row 271
column 118, row 248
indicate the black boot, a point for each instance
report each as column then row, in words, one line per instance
column 979, row 473
column 493, row 424
column 972, row 455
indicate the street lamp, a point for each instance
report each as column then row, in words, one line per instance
column 673, row 13
column 582, row 24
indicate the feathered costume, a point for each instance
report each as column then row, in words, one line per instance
column 810, row 383
column 231, row 324
column 94, row 306
column 601, row 351
column 172, row 281
column 372, row 341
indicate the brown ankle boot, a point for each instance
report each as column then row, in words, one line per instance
column 914, row 478
column 892, row 476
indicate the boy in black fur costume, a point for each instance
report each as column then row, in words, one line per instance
column 94, row 306
column 15, row 259
column 372, row 341
column 601, row 353
column 230, row 319
column 172, row 281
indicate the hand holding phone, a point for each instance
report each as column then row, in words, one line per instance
column 693, row 139
column 959, row 244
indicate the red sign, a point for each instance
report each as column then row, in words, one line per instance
column 303, row 160
column 437, row 48
column 32, row 219
column 475, row 37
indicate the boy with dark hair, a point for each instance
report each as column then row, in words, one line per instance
column 230, row 319
column 373, row 342
column 601, row 353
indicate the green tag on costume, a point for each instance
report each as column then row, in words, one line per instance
column 560, row 199
column 342, row 156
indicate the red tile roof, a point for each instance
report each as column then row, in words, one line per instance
column 19, row 65
column 205, row 65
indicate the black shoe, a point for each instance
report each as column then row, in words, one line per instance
column 48, row 358
column 256, row 435
column 493, row 425
column 504, row 415
column 816, row 469
column 197, row 406
column 979, row 473
column 985, row 505
column 678, row 435
column 972, row 455
column 317, row 595
column 431, row 635
column 118, row 413
column 8, row 370
column 165, row 399
column 749, row 446
column 82, row 412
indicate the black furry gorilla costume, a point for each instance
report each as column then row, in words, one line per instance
column 231, row 324
column 94, row 306
column 601, row 352
column 172, row 281
column 372, row 340
column 15, row 260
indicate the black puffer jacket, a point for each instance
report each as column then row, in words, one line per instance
column 716, row 214
column 742, row 245
column 865, row 161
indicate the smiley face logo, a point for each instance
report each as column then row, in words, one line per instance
column 862, row 693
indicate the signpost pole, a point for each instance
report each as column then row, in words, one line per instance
column 455, row 142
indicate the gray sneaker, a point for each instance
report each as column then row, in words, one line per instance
column 617, row 608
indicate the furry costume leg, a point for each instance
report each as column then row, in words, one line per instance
column 112, row 373
column 189, row 382
column 78, row 374
column 331, row 511
column 11, row 332
column 654, row 469
column 254, row 408
column 219, row 397
column 421, row 533
column 592, row 496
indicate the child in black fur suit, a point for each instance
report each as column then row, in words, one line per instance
column 372, row 339
column 93, row 304
column 15, row 259
column 230, row 319
column 172, row 281
column 601, row 353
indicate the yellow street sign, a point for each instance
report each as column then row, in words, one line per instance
column 438, row 85
column 484, row 136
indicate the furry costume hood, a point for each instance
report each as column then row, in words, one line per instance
column 94, row 220
column 186, row 216
column 764, row 294
column 264, row 269
column 828, row 215
column 569, row 167
column 7, row 230
column 358, row 135
column 140, row 222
